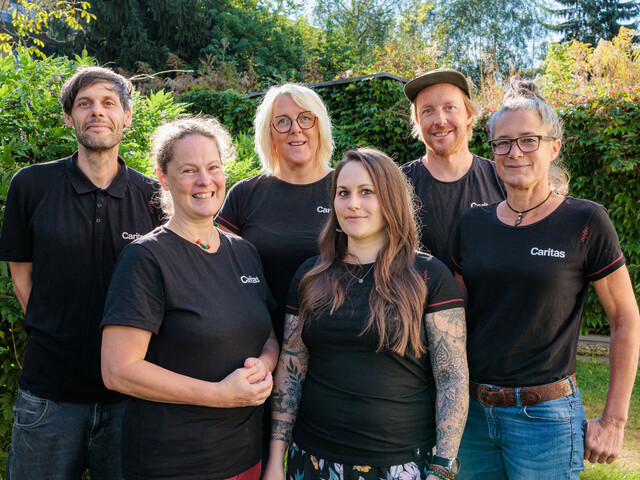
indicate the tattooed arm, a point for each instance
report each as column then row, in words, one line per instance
column 447, row 336
column 285, row 399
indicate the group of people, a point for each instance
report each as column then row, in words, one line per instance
column 365, row 322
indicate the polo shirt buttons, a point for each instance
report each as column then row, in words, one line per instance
column 97, row 220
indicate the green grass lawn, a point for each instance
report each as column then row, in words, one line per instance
column 593, row 378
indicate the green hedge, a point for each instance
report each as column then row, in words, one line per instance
column 370, row 112
column 601, row 147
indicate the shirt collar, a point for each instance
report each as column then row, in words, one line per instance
column 82, row 184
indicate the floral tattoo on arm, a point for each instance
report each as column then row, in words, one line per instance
column 447, row 336
column 290, row 374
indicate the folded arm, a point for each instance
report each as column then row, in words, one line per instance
column 125, row 369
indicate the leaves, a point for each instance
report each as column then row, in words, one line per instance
column 30, row 21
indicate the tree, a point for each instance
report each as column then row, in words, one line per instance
column 588, row 21
column 474, row 32
column 240, row 37
column 147, row 32
column 361, row 26
column 26, row 23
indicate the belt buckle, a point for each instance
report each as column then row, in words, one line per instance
column 483, row 394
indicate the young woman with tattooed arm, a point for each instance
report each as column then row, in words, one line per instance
column 373, row 371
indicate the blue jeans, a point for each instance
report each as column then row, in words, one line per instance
column 58, row 441
column 522, row 443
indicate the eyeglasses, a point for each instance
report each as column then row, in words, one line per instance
column 305, row 120
column 528, row 144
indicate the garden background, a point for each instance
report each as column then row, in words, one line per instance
column 208, row 57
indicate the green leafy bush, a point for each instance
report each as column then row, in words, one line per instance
column 32, row 130
column 246, row 164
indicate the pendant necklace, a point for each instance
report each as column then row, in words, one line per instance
column 201, row 244
column 519, row 219
column 359, row 279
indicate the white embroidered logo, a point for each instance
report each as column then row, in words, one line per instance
column 130, row 236
column 245, row 279
column 322, row 209
column 549, row 252
column 474, row 204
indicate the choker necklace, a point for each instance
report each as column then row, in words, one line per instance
column 201, row 244
column 360, row 279
column 519, row 219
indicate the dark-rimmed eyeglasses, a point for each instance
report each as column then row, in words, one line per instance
column 528, row 144
column 305, row 121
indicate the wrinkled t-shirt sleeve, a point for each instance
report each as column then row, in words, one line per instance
column 230, row 215
column 603, row 254
column 442, row 291
column 136, row 293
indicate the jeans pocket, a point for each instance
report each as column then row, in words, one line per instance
column 556, row 411
column 29, row 410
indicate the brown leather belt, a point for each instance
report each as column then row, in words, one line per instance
column 489, row 396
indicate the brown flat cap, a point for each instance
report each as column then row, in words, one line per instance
column 441, row 75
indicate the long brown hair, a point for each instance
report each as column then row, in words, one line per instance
column 397, row 299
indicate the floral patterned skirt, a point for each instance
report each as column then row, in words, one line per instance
column 302, row 465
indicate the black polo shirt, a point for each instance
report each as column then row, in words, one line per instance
column 72, row 232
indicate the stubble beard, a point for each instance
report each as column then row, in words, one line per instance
column 447, row 150
column 99, row 144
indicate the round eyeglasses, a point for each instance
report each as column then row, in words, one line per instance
column 305, row 121
column 528, row 144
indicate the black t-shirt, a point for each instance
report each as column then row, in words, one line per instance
column 358, row 406
column 73, row 232
column 283, row 221
column 527, row 286
column 442, row 203
column 208, row 312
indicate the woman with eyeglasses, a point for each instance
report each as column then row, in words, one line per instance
column 525, row 265
column 282, row 210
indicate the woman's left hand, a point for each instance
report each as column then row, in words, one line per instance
column 260, row 374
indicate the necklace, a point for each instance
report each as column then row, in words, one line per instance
column 201, row 244
column 360, row 279
column 519, row 219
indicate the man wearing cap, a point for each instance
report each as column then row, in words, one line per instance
column 65, row 223
column 449, row 179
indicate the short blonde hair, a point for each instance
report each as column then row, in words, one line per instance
column 416, row 131
column 305, row 98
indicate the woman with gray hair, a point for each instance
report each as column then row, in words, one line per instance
column 282, row 210
column 525, row 265
column 186, row 327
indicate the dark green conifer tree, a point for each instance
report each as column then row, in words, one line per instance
column 591, row 20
